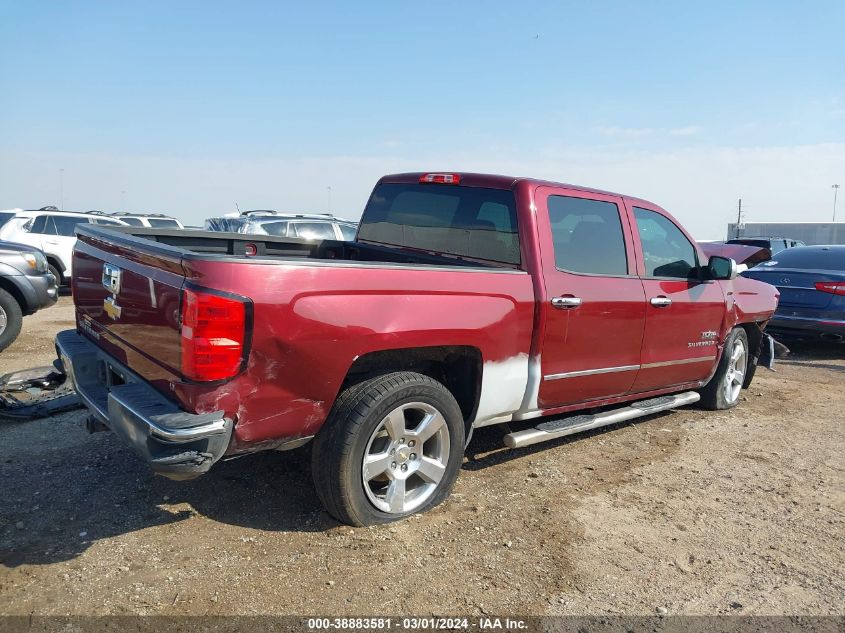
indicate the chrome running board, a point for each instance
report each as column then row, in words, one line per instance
column 562, row 427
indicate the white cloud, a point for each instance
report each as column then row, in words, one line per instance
column 689, row 130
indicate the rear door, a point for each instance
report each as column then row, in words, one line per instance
column 593, row 323
column 63, row 240
column 684, row 314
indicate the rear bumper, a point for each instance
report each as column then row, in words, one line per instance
column 805, row 327
column 176, row 444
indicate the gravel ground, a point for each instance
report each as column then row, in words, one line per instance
column 689, row 512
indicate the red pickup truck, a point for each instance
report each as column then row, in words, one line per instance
column 466, row 300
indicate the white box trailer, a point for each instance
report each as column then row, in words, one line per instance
column 808, row 232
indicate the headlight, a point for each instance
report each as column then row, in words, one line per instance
column 36, row 261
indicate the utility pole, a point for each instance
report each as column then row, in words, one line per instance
column 835, row 191
column 738, row 217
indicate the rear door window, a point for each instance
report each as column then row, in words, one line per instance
column 666, row 250
column 348, row 232
column 163, row 223
column 279, row 229
column 65, row 224
column 313, row 230
column 471, row 222
column 587, row 236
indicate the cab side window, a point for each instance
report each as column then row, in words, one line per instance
column 666, row 250
column 587, row 236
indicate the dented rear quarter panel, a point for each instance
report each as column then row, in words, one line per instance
column 748, row 301
column 312, row 320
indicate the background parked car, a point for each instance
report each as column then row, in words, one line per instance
column 309, row 226
column 149, row 220
column 774, row 244
column 811, row 281
column 26, row 285
column 52, row 232
column 230, row 223
column 749, row 256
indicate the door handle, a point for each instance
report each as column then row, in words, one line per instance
column 566, row 303
column 661, row 302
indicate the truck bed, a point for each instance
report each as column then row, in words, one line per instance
column 208, row 244
column 314, row 310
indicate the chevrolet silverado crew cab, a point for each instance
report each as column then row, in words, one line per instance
column 466, row 300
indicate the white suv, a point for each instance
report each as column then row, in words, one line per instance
column 51, row 231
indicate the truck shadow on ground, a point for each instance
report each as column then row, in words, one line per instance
column 61, row 502
column 809, row 353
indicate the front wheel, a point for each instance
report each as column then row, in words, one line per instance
column 724, row 388
column 391, row 447
column 11, row 319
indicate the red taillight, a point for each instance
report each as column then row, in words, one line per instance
column 443, row 179
column 833, row 287
column 213, row 335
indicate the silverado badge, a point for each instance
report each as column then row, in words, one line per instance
column 111, row 281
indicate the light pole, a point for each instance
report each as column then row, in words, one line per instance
column 835, row 191
column 62, row 188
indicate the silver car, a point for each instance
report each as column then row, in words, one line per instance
column 304, row 225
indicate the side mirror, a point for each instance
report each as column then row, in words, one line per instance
column 722, row 268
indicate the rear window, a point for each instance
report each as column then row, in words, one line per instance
column 473, row 222
column 832, row 258
column 159, row 223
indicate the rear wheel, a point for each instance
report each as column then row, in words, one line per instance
column 725, row 387
column 392, row 447
column 11, row 319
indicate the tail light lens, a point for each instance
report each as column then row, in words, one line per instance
column 833, row 287
column 213, row 335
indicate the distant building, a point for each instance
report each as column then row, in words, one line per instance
column 808, row 232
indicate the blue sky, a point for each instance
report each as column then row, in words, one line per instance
column 190, row 107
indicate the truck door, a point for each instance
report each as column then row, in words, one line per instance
column 684, row 314
column 594, row 313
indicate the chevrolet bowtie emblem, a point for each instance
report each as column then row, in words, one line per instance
column 111, row 308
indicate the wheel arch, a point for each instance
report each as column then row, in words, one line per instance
column 458, row 368
column 18, row 295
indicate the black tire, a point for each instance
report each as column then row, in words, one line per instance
column 350, row 431
column 56, row 273
column 715, row 394
column 11, row 310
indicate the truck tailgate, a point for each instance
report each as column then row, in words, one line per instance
column 127, row 298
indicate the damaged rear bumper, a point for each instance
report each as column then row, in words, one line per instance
column 176, row 444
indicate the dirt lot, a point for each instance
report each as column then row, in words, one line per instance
column 692, row 511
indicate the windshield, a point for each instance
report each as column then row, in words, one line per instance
column 5, row 217
column 473, row 222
